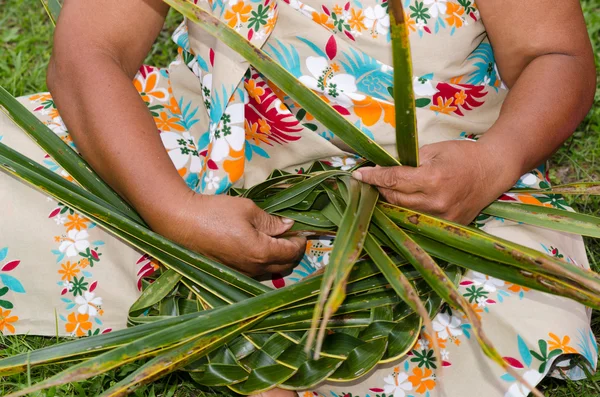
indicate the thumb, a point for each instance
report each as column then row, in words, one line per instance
column 271, row 225
column 399, row 178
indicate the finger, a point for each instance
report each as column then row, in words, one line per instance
column 412, row 201
column 279, row 268
column 402, row 179
column 433, row 205
column 281, row 251
column 270, row 225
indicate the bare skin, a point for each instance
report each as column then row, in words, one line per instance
column 98, row 48
column 544, row 55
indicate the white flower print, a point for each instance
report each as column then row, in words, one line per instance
column 377, row 19
column 228, row 134
column 397, row 385
column 68, row 285
column 518, row 390
column 490, row 284
column 446, row 325
column 344, row 164
column 57, row 125
column 481, row 301
column 444, row 354
column 315, row 262
column 437, row 7
column 74, row 243
column 423, row 344
column 207, row 88
column 326, row 258
column 339, row 88
column 182, row 150
column 423, row 87
column 212, row 181
column 59, row 219
column 89, row 303
column 529, row 179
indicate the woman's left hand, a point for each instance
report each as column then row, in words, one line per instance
column 455, row 180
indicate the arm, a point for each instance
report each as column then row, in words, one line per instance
column 98, row 48
column 544, row 55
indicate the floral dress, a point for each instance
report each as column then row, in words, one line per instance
column 224, row 125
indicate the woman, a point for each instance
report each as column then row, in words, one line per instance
column 222, row 124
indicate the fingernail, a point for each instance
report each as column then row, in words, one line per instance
column 287, row 221
column 357, row 175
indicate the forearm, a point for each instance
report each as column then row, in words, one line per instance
column 114, row 131
column 547, row 102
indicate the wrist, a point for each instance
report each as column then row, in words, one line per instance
column 165, row 210
column 502, row 165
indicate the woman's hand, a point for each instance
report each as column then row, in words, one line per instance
column 234, row 231
column 455, row 180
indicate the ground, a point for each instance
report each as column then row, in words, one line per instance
column 26, row 36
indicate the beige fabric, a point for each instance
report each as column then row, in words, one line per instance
column 56, row 298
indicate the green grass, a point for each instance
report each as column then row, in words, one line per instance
column 26, row 36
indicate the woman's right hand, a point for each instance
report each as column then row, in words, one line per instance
column 234, row 231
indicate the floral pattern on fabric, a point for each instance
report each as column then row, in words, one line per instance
column 77, row 255
column 9, row 285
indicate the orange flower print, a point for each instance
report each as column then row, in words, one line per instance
column 517, row 288
column 411, row 24
column 5, row 321
column 76, row 222
column 166, row 123
column 270, row 25
column 148, row 89
column 253, row 134
column 556, row 343
column 68, row 270
column 357, row 20
column 41, row 97
column 238, row 14
column 337, row 9
column 78, row 324
column 460, row 97
column 423, row 379
column 83, row 263
column 455, row 12
column 444, row 107
column 369, row 110
column 253, row 90
column 322, row 19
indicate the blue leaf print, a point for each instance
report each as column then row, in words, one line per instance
column 59, row 254
column 203, row 141
column 485, row 67
column 508, row 378
column 192, row 180
column 258, row 150
column 224, row 186
column 12, row 283
column 62, row 318
column 98, row 321
column 287, row 57
column 587, row 347
column 86, row 274
column 3, row 253
column 66, row 300
column 313, row 47
column 370, row 78
column 202, row 63
column 524, row 351
column 187, row 116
